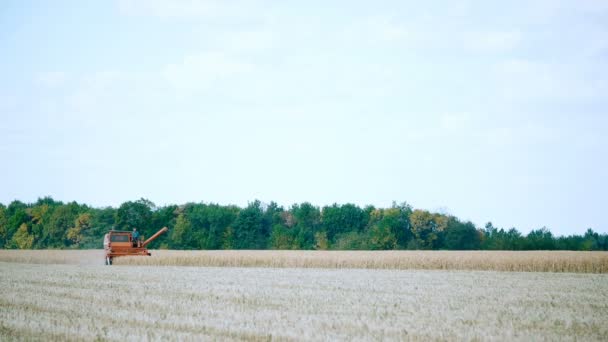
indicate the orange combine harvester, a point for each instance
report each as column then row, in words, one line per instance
column 121, row 243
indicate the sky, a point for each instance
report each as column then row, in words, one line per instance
column 486, row 110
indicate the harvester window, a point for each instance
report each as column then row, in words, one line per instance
column 119, row 238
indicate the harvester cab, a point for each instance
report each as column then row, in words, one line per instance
column 122, row 243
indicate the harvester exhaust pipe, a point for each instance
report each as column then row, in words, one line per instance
column 151, row 238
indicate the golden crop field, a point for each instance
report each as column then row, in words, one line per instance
column 133, row 303
column 530, row 261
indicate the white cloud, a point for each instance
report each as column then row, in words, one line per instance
column 530, row 80
column 493, row 40
column 554, row 8
column 426, row 35
column 51, row 79
column 181, row 9
column 89, row 90
column 173, row 8
column 385, row 28
column 202, row 71
column 248, row 41
column 455, row 121
column 596, row 47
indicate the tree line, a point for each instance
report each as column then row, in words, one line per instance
column 48, row 223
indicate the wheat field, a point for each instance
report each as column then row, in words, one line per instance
column 529, row 261
column 47, row 302
column 303, row 295
column 532, row 261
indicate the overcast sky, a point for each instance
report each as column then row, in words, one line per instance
column 486, row 112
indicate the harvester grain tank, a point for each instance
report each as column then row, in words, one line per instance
column 121, row 243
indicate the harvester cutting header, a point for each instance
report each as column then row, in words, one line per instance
column 124, row 243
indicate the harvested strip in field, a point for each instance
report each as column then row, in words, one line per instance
column 67, row 302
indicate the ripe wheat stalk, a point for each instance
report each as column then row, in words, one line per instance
column 527, row 261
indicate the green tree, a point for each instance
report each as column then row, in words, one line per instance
column 54, row 233
column 49, row 223
column 16, row 213
column 461, row 236
column 228, row 240
column 40, row 221
column 81, row 225
column 136, row 214
column 382, row 237
column 540, row 239
column 102, row 220
column 426, row 228
column 220, row 218
column 340, row 219
column 39, row 214
column 514, row 240
column 321, row 241
column 249, row 229
column 49, row 201
column 282, row 237
column 591, row 241
column 3, row 226
column 163, row 217
column 351, row 241
column 499, row 239
column 181, row 235
column 572, row 243
column 390, row 228
column 23, row 239
column 380, row 233
column 399, row 220
column 306, row 222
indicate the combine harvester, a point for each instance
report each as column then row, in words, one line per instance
column 120, row 243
